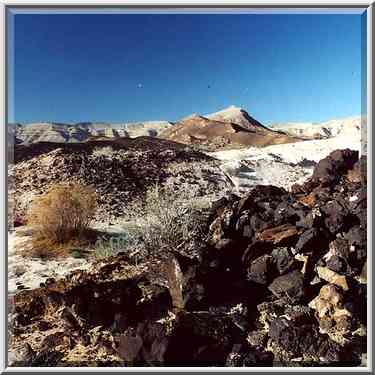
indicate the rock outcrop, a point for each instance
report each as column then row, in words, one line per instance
column 281, row 282
column 308, row 248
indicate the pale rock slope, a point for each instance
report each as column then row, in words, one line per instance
column 130, row 129
column 281, row 165
column 350, row 126
column 83, row 131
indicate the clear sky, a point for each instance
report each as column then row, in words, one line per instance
column 134, row 67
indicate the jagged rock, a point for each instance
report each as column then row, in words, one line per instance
column 329, row 298
column 356, row 237
column 336, row 264
column 330, row 169
column 337, row 217
column 95, row 298
column 298, row 314
column 309, row 241
column 257, row 338
column 257, row 223
column 207, row 339
column 289, row 285
column 146, row 344
column 302, row 340
column 283, row 259
column 332, row 277
column 130, row 345
column 310, row 219
column 241, row 355
column 261, row 270
column 69, row 317
column 255, row 250
column 224, row 244
column 334, row 318
column 23, row 355
column 281, row 235
column 286, row 212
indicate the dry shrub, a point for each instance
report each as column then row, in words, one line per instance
column 61, row 216
column 166, row 221
column 106, row 151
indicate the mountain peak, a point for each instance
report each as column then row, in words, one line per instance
column 230, row 109
column 238, row 116
column 192, row 116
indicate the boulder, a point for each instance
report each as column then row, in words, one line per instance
column 281, row 235
column 261, row 270
column 289, row 285
column 332, row 277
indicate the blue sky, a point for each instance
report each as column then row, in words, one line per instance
column 134, row 67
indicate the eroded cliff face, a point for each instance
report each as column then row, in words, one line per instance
column 282, row 281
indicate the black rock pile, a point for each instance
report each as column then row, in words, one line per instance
column 303, row 255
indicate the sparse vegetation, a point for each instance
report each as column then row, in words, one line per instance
column 61, row 216
column 166, row 222
column 106, row 151
column 108, row 246
column 76, row 253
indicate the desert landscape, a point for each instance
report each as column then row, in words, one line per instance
column 187, row 188
column 214, row 240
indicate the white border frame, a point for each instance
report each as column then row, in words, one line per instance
column 179, row 6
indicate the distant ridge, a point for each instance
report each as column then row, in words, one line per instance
column 350, row 126
column 231, row 127
column 83, row 131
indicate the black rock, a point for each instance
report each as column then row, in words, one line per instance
column 302, row 339
column 309, row 241
column 242, row 355
column 337, row 217
column 285, row 212
column 308, row 219
column 261, row 270
column 289, row 286
column 337, row 264
column 298, row 314
column 330, row 169
column 283, row 258
column 257, row 224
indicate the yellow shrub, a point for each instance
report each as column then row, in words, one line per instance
column 63, row 213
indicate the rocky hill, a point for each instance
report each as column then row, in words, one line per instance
column 231, row 128
column 280, row 282
column 120, row 170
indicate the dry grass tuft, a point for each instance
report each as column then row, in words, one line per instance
column 166, row 221
column 60, row 219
